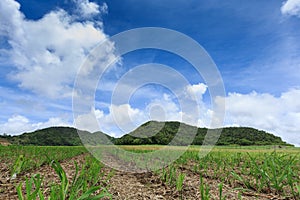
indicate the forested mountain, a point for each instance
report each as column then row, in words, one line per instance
column 56, row 136
column 149, row 133
column 163, row 132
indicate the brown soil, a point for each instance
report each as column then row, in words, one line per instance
column 148, row 185
column 8, row 185
column 125, row 185
column 4, row 142
column 192, row 183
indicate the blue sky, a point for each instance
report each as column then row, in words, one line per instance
column 255, row 45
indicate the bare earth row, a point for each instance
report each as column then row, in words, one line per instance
column 125, row 185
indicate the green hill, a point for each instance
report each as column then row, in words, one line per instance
column 149, row 133
column 163, row 132
column 56, row 136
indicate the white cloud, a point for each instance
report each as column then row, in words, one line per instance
column 18, row 124
column 120, row 119
column 124, row 118
column 202, row 115
column 89, row 9
column 164, row 109
column 48, row 52
column 87, row 122
column 278, row 115
column 291, row 7
column 197, row 90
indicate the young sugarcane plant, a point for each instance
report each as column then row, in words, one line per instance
column 179, row 183
column 18, row 165
column 31, row 192
column 221, row 197
column 204, row 189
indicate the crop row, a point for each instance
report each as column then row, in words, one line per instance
column 271, row 172
column 267, row 173
column 88, row 182
column 275, row 173
column 23, row 158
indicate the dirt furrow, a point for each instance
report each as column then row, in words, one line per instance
column 8, row 185
column 126, row 185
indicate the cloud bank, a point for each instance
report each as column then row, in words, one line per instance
column 19, row 124
column 279, row 115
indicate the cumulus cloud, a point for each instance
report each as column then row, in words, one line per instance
column 17, row 124
column 291, row 7
column 87, row 122
column 10, row 18
column 163, row 109
column 47, row 53
column 202, row 115
column 279, row 115
column 124, row 118
column 196, row 90
column 89, row 9
column 120, row 119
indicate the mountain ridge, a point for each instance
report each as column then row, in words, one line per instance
column 151, row 132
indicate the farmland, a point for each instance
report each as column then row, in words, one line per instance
column 227, row 172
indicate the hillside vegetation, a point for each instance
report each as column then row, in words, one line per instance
column 163, row 132
column 149, row 133
column 56, row 136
